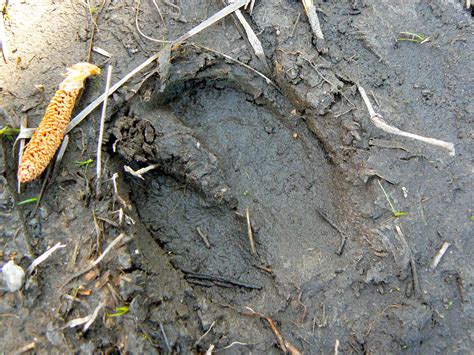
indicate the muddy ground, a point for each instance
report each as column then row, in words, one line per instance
column 299, row 153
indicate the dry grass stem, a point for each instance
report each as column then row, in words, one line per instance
column 203, row 237
column 252, row 37
column 101, row 52
column 44, row 256
column 267, row 79
column 93, row 317
column 379, row 122
column 101, row 129
column 98, row 260
column 23, row 125
column 440, row 254
column 25, row 348
column 249, row 233
column 137, row 25
column 138, row 173
column 313, row 18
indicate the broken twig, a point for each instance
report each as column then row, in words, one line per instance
column 379, row 122
column 203, row 237
column 138, row 173
column 44, row 256
column 313, row 18
column 101, row 130
column 440, row 254
column 97, row 261
column 252, row 37
column 249, row 232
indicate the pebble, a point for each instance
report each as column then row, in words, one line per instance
column 13, row 276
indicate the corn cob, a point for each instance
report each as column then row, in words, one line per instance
column 48, row 136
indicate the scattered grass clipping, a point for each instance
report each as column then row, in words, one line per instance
column 27, row 201
column 119, row 311
column 396, row 213
column 413, row 37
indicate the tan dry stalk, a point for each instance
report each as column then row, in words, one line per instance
column 48, row 137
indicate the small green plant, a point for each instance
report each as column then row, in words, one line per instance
column 119, row 311
column 27, row 201
column 472, row 218
column 413, row 37
column 85, row 164
column 396, row 213
column 448, row 305
column 9, row 132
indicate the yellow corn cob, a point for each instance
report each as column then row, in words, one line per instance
column 48, row 136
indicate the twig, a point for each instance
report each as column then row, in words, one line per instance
column 219, row 280
column 138, row 26
column 52, row 172
column 138, row 173
column 120, row 198
column 159, row 12
column 25, row 348
column 414, row 274
column 336, row 347
column 294, row 26
column 249, row 232
column 97, row 261
column 165, row 337
column 101, row 130
column 43, row 257
column 23, row 125
column 203, row 237
column 343, row 235
column 267, row 79
column 313, row 18
column 439, row 255
column 94, row 27
column 379, row 122
column 87, row 320
column 252, row 37
column 101, row 51
column 210, row 349
column 93, row 317
column 202, row 336
column 250, row 6
column 284, row 345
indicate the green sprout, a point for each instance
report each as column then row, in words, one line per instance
column 448, row 305
column 472, row 218
column 9, row 132
column 25, row 202
column 119, row 311
column 85, row 164
column 396, row 213
column 413, row 37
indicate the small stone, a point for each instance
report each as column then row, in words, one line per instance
column 13, row 275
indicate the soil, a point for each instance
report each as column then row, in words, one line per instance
column 298, row 154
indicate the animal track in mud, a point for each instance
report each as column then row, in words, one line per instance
column 219, row 154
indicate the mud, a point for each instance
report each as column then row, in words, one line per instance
column 300, row 154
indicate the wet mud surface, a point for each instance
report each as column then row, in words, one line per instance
column 319, row 182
